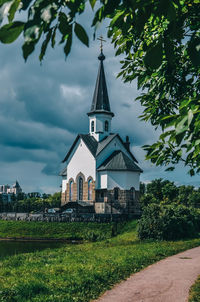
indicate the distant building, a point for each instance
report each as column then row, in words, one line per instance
column 14, row 189
column 4, row 188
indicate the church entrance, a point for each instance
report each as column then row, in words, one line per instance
column 80, row 188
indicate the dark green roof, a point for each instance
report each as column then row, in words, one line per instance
column 100, row 102
column 90, row 142
column 119, row 161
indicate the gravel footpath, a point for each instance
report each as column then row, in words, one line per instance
column 168, row 280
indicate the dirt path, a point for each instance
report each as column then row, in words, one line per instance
column 168, row 280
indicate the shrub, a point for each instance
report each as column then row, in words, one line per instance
column 168, row 222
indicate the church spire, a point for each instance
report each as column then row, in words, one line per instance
column 100, row 102
column 100, row 115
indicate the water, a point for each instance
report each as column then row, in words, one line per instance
column 9, row 248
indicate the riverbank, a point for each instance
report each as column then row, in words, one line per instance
column 64, row 231
column 36, row 239
column 81, row 273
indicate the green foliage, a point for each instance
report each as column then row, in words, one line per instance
column 161, row 191
column 81, row 273
column 90, row 231
column 142, row 188
column 10, row 32
column 23, row 204
column 160, row 42
column 195, row 292
column 168, row 222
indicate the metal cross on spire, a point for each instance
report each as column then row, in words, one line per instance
column 101, row 40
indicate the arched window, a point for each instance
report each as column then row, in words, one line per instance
column 106, row 126
column 92, row 126
column 90, row 189
column 80, row 188
column 71, row 190
column 132, row 193
column 116, row 193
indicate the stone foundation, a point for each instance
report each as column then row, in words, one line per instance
column 105, row 201
column 128, row 202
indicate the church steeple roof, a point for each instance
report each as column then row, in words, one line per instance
column 100, row 102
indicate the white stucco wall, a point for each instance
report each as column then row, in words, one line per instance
column 122, row 179
column 81, row 161
column 64, row 184
column 99, row 122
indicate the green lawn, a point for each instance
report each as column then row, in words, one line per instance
column 81, row 272
column 195, row 292
column 76, row 230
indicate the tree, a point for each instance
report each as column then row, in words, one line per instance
column 194, row 199
column 142, row 188
column 160, row 41
column 184, row 194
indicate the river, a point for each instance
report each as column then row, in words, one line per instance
column 8, row 248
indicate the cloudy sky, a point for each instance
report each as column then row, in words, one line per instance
column 43, row 107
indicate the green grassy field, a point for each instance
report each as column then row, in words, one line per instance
column 81, row 272
column 195, row 292
column 76, row 230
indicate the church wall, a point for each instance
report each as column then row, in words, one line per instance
column 123, row 179
column 82, row 161
column 65, row 195
column 64, row 185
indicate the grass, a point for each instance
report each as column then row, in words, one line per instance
column 81, row 273
column 195, row 292
column 87, row 231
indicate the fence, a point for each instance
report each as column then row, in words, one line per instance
column 59, row 217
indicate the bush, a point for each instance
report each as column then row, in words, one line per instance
column 168, row 222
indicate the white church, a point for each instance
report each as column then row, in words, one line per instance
column 100, row 169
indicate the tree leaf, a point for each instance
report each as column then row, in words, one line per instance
column 28, row 48
column 153, row 57
column 191, row 171
column 64, row 27
column 4, row 8
column 92, row 3
column 68, row 45
column 116, row 17
column 194, row 51
column 13, row 10
column 53, row 38
column 10, row 32
column 81, row 34
column 190, row 117
column 170, row 169
column 181, row 127
column 45, row 44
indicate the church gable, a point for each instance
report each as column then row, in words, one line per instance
column 115, row 144
column 80, row 160
column 88, row 140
